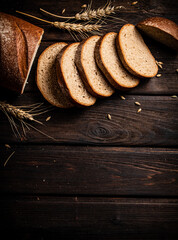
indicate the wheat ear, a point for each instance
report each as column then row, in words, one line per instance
column 14, row 112
column 80, row 28
column 17, row 112
column 89, row 13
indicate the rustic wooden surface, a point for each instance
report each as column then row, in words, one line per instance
column 100, row 178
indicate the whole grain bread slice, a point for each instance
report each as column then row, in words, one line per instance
column 46, row 77
column 108, row 61
column 93, row 78
column 134, row 53
column 161, row 29
column 69, row 78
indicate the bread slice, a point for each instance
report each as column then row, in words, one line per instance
column 46, row 77
column 108, row 61
column 19, row 44
column 69, row 79
column 161, row 29
column 134, row 54
column 94, row 80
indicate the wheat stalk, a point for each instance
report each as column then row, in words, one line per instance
column 89, row 14
column 18, row 113
column 76, row 27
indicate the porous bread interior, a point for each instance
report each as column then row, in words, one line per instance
column 113, row 64
column 47, row 79
column 95, row 78
column 136, row 53
column 72, row 79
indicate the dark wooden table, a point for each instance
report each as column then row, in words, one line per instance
column 101, row 179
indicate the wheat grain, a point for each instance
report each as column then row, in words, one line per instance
column 139, row 110
column 137, row 103
column 122, row 97
column 158, row 75
column 109, row 116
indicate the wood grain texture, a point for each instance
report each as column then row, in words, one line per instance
column 102, row 217
column 155, row 125
column 101, row 179
column 89, row 171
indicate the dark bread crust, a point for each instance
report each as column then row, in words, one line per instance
column 19, row 40
column 103, row 68
column 161, row 29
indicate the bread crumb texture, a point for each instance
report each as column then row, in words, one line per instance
column 135, row 52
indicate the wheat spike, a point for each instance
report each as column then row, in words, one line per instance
column 17, row 112
column 14, row 112
column 89, row 14
column 76, row 27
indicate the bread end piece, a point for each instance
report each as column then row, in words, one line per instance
column 19, row 43
column 160, row 29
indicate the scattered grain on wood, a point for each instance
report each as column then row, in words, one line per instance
column 139, row 110
column 158, row 75
column 48, row 118
column 159, row 64
column 137, row 103
column 63, row 11
column 122, row 97
column 134, row 3
column 7, row 146
column 109, row 116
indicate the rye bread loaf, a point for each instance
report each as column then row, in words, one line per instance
column 134, row 53
column 94, row 80
column 69, row 79
column 161, row 29
column 19, row 43
column 108, row 61
column 46, row 77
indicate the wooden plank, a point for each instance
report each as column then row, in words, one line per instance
column 107, row 217
column 76, row 170
column 155, row 125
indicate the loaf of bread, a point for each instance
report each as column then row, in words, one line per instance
column 94, row 80
column 134, row 53
column 19, row 43
column 161, row 29
column 69, row 78
column 108, row 61
column 46, row 77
